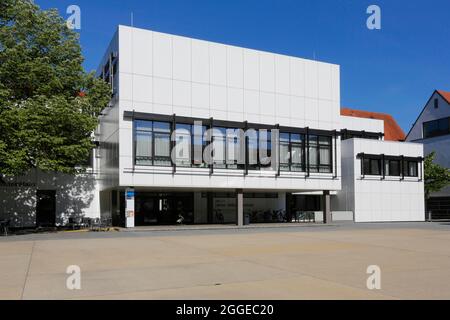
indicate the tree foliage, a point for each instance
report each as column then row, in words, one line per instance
column 436, row 176
column 48, row 104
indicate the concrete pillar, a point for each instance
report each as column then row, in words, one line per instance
column 326, row 200
column 240, row 207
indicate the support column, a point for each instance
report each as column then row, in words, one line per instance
column 240, row 207
column 326, row 201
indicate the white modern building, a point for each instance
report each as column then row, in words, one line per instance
column 432, row 129
column 329, row 167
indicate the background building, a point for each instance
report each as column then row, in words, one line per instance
column 432, row 129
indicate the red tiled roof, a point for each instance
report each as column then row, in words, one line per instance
column 392, row 131
column 445, row 95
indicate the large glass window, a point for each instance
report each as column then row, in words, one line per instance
column 153, row 147
column 320, row 154
column 199, row 144
column 161, row 131
column 144, row 142
column 226, row 147
column 436, row 128
column 152, row 143
column 253, row 146
column 291, row 152
column 183, row 146
column 285, row 154
column 297, row 152
column 265, row 148
column 219, row 143
column 233, row 150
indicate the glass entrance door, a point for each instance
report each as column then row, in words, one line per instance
column 163, row 208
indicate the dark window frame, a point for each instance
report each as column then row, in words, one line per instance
column 441, row 128
column 316, row 142
column 291, row 144
column 154, row 133
column 384, row 160
column 368, row 166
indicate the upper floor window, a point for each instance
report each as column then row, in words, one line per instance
column 319, row 154
column 292, row 155
column 392, row 168
column 154, row 147
column 372, row 167
column 436, row 128
column 410, row 168
column 152, row 143
column 379, row 165
column 436, row 103
column 348, row 134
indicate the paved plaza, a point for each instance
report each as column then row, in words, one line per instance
column 304, row 262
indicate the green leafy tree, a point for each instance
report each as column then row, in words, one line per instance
column 436, row 176
column 49, row 105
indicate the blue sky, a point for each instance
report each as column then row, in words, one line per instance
column 392, row 70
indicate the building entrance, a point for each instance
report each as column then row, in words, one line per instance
column 163, row 208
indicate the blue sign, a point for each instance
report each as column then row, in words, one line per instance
column 130, row 194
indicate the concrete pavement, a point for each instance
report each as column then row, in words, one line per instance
column 269, row 263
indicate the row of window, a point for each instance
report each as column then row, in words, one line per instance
column 346, row 135
column 436, row 128
column 389, row 167
column 153, row 148
column 293, row 153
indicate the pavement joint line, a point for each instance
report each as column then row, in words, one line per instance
column 28, row 270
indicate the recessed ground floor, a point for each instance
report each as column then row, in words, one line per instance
column 146, row 207
column 317, row 262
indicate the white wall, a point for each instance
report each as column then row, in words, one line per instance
column 345, row 198
column 362, row 124
column 76, row 196
column 377, row 200
column 167, row 74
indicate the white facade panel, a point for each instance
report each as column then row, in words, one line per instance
column 361, row 124
column 377, row 199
